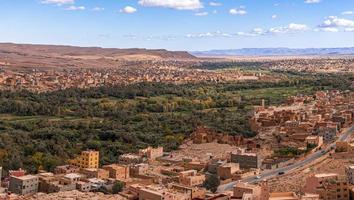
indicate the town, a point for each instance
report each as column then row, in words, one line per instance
column 43, row 79
column 303, row 132
column 177, row 100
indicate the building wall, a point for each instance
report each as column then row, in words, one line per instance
column 22, row 186
column 240, row 191
column 246, row 161
column 195, row 180
column 117, row 171
column 226, row 171
column 349, row 171
column 149, row 195
column 96, row 173
column 87, row 159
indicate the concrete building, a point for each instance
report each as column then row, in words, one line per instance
column 87, row 159
column 317, row 180
column 254, row 192
column 148, row 194
column 328, row 133
column 246, row 160
column 151, row 153
column 334, row 190
column 194, row 192
column 95, row 173
column 139, row 169
column 66, row 169
column 83, row 186
column 283, row 196
column 44, row 180
column 328, row 186
column 349, row 171
column 116, row 171
column 191, row 178
column 130, row 159
column 315, row 141
column 160, row 193
column 73, row 177
column 23, row 185
column 226, row 170
column 96, row 183
column 214, row 164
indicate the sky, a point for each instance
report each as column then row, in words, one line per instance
column 179, row 24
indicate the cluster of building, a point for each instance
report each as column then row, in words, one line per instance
column 83, row 175
column 43, row 79
column 146, row 175
column 149, row 174
column 312, row 65
column 305, row 122
column 325, row 186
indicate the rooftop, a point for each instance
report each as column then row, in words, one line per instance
column 72, row 175
column 283, row 196
column 324, row 175
column 26, row 177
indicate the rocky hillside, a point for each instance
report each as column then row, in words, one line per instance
column 28, row 55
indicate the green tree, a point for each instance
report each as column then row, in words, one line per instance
column 212, row 182
column 117, row 187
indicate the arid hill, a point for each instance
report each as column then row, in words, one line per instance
column 28, row 55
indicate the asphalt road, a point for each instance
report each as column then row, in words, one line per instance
column 271, row 173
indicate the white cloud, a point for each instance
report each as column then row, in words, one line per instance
column 349, row 12
column 334, row 21
column 349, row 29
column 274, row 16
column 201, row 14
column 58, row 2
column 278, row 30
column 151, row 37
column 238, row 11
column 293, row 27
column 312, row 1
column 253, row 33
column 329, row 29
column 174, row 4
column 297, row 27
column 215, row 3
column 98, row 9
column 208, row 35
column 73, row 8
column 128, row 10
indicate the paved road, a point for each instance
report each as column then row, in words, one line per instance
column 271, row 173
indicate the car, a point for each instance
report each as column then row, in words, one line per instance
column 258, row 177
column 281, row 173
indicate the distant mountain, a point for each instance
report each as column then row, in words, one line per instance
column 30, row 55
column 275, row 52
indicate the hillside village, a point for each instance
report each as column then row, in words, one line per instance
column 304, row 125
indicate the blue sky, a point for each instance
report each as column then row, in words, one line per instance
column 179, row 24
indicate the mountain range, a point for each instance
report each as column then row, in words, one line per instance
column 275, row 52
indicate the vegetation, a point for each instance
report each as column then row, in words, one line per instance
column 41, row 131
column 212, row 182
column 117, row 187
column 288, row 152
